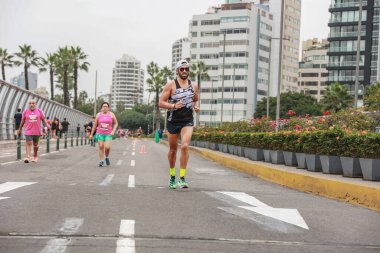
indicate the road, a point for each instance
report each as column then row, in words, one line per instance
column 65, row 203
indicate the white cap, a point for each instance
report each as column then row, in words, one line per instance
column 182, row 63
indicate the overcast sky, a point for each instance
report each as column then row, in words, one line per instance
column 145, row 29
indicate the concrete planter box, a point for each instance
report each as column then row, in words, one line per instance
column 290, row 158
column 370, row 168
column 267, row 157
column 213, row 146
column 240, row 151
column 255, row 154
column 277, row 157
column 231, row 149
column 313, row 163
column 223, row 148
column 301, row 160
column 351, row 167
column 331, row 164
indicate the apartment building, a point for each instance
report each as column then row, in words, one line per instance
column 312, row 69
column 233, row 40
column 127, row 82
column 180, row 50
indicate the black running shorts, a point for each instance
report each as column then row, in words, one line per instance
column 175, row 128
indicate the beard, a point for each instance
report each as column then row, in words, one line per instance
column 183, row 76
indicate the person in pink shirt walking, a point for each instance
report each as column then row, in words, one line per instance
column 32, row 118
column 105, row 126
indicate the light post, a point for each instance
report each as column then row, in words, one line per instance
column 279, row 67
column 96, row 87
column 212, row 102
column 358, row 53
column 233, row 94
column 224, row 61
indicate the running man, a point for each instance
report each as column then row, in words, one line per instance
column 180, row 97
column 32, row 118
column 105, row 125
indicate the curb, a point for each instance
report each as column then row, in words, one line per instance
column 354, row 193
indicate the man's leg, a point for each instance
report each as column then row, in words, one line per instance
column 186, row 134
column 172, row 156
column 29, row 142
column 35, row 148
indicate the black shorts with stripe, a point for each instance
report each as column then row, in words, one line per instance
column 176, row 127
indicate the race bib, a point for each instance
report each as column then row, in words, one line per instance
column 104, row 126
column 32, row 118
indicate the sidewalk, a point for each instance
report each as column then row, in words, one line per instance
column 353, row 190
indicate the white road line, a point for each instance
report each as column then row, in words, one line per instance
column 3, row 164
column 133, row 153
column 132, row 162
column 69, row 227
column 8, row 186
column 127, row 229
column 131, row 181
column 56, row 246
column 107, row 180
column 119, row 162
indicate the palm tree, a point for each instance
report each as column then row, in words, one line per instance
column 64, row 64
column 199, row 71
column 336, row 98
column 372, row 97
column 79, row 58
column 50, row 62
column 28, row 58
column 5, row 61
column 156, row 83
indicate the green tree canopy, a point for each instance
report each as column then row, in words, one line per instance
column 336, row 98
column 372, row 98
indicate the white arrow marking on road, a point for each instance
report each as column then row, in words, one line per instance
column 4, row 198
column 291, row 216
column 107, row 180
column 131, row 181
column 9, row 186
column 126, row 245
column 133, row 153
column 132, row 162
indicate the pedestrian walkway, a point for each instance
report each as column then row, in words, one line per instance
column 353, row 190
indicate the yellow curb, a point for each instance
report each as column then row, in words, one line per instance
column 368, row 197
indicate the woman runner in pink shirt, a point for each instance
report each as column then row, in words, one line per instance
column 32, row 118
column 105, row 125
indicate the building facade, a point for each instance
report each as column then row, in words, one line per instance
column 312, row 69
column 233, row 40
column 343, row 38
column 180, row 50
column 20, row 80
column 127, row 82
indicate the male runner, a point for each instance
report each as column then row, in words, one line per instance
column 180, row 97
column 32, row 118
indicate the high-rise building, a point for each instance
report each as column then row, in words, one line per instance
column 290, row 21
column 312, row 69
column 20, row 80
column 344, row 29
column 127, row 82
column 180, row 50
column 233, row 41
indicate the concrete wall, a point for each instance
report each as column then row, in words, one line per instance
column 13, row 97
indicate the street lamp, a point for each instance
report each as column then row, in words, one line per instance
column 233, row 94
column 96, row 93
column 212, row 102
column 279, row 67
column 224, row 61
column 358, row 53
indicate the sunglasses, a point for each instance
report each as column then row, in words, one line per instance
column 184, row 69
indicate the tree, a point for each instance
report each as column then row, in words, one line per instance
column 143, row 108
column 64, row 64
column 336, row 98
column 79, row 63
column 300, row 103
column 372, row 98
column 156, row 82
column 5, row 61
column 50, row 62
column 199, row 71
column 120, row 106
column 28, row 58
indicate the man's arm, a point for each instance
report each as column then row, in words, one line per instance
column 196, row 97
column 165, row 95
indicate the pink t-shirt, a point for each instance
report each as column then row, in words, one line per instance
column 104, row 124
column 33, row 121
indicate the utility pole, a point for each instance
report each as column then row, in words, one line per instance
column 96, row 92
column 279, row 67
column 233, row 95
column 224, row 61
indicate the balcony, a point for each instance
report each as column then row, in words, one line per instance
column 348, row 4
column 345, row 34
column 345, row 49
column 344, row 64
column 343, row 78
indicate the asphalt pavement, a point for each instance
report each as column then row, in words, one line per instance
column 66, row 203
